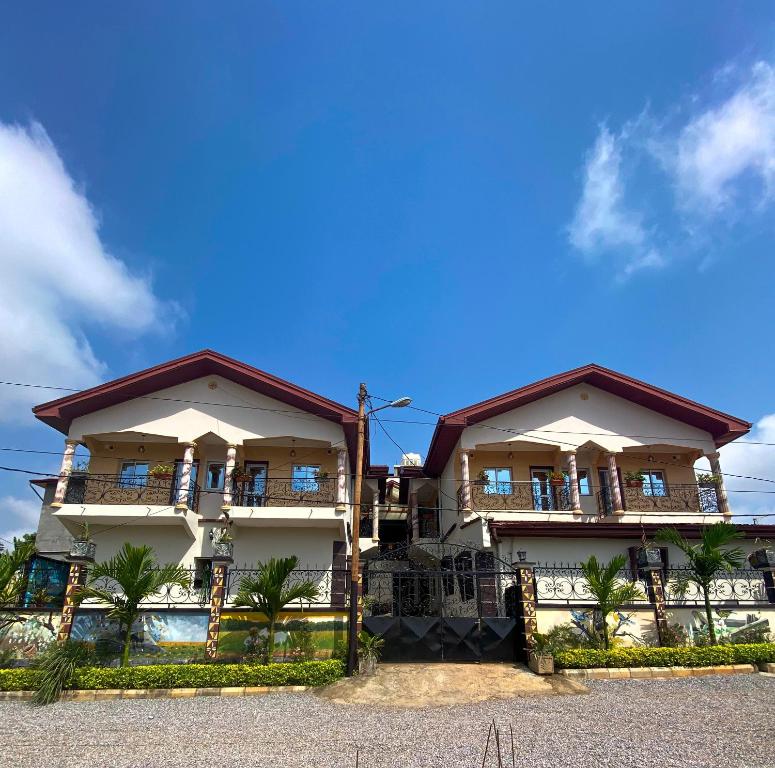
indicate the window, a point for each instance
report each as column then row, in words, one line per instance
column 216, row 474
column 583, row 477
column 499, row 480
column 133, row 474
column 654, row 482
column 305, row 478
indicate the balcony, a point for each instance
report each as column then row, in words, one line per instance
column 690, row 498
column 517, row 496
column 285, row 492
column 115, row 490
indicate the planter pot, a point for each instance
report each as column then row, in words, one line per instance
column 367, row 665
column 557, row 483
column 762, row 558
column 82, row 550
column 242, row 478
column 634, row 483
column 162, row 476
column 223, row 550
column 541, row 665
column 650, row 557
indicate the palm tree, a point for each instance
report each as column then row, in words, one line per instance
column 607, row 588
column 268, row 592
column 706, row 558
column 135, row 571
column 11, row 581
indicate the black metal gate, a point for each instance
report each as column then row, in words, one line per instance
column 441, row 602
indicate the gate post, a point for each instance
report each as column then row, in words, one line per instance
column 656, row 595
column 217, row 591
column 526, row 595
column 75, row 580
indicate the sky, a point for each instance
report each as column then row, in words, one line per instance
column 444, row 200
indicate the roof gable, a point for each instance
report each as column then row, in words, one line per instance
column 723, row 427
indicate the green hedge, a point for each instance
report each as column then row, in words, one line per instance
column 185, row 676
column 691, row 656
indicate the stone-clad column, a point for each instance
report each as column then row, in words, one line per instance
column 184, row 484
column 573, row 474
column 228, row 482
column 613, row 485
column 721, row 491
column 217, row 589
column 341, row 480
column 466, row 480
column 75, row 580
column 64, row 473
column 528, row 620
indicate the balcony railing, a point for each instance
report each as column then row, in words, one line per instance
column 690, row 498
column 517, row 495
column 113, row 489
column 285, row 492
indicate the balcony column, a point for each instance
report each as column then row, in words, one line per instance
column 64, row 473
column 375, row 516
column 613, row 484
column 466, row 478
column 414, row 516
column 228, row 483
column 341, row 480
column 573, row 473
column 184, row 484
column 721, row 491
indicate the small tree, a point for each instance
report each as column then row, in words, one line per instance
column 608, row 589
column 135, row 571
column 269, row 592
column 12, row 583
column 706, row 558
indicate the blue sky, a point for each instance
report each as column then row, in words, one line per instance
column 444, row 200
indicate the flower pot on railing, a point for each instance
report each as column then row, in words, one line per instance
column 83, row 549
column 762, row 558
column 223, row 550
column 541, row 664
column 649, row 557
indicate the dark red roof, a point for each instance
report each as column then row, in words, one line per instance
column 60, row 413
column 723, row 427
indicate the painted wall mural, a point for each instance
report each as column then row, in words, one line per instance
column 26, row 639
column 297, row 638
column 175, row 636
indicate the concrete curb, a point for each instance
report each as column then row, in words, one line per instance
column 645, row 673
column 158, row 693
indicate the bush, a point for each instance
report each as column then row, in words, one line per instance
column 184, row 676
column 706, row 656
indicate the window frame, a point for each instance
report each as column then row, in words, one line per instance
column 492, row 487
column 649, row 485
column 125, row 481
column 222, row 483
column 307, row 483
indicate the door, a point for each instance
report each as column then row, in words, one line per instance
column 253, row 492
column 543, row 498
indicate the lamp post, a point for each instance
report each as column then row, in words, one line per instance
column 355, row 559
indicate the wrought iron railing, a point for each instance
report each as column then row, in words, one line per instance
column 568, row 585
column 285, row 492
column 330, row 584
column 743, row 586
column 114, row 489
column 672, row 498
column 196, row 591
column 516, row 495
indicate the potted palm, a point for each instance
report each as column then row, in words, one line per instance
column 649, row 557
column 369, row 650
column 239, row 474
column 763, row 557
column 708, row 480
column 482, row 478
column 81, row 546
column 223, row 544
column 634, row 479
column 556, row 479
column 162, row 472
column 541, row 658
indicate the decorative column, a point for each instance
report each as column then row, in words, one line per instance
column 721, row 491
column 228, row 483
column 414, row 516
column 573, row 473
column 656, row 590
column 527, row 620
column 466, row 478
column 613, row 485
column 184, row 484
column 64, row 473
column 375, row 516
column 75, row 580
column 341, row 480
column 217, row 588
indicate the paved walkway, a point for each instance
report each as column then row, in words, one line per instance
column 412, row 686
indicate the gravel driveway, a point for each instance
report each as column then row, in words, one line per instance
column 710, row 721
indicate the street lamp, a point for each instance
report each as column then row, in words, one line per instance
column 355, row 560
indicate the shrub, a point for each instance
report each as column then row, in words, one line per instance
column 184, row 676
column 58, row 665
column 666, row 657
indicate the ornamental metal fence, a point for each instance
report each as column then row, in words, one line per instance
column 195, row 593
column 744, row 586
column 331, row 586
column 567, row 585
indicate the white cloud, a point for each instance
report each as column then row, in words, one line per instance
column 748, row 460
column 58, row 279
column 19, row 516
column 720, row 145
